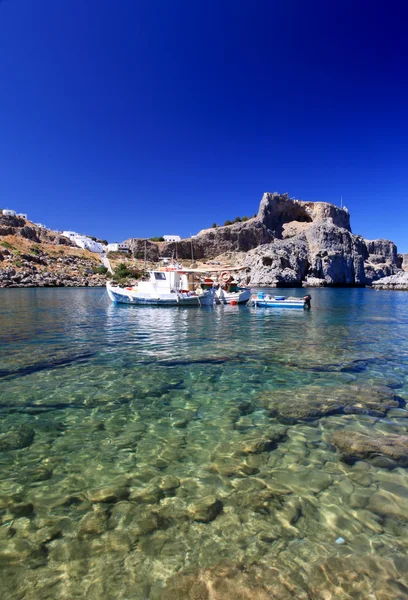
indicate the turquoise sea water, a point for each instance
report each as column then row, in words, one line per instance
column 150, row 453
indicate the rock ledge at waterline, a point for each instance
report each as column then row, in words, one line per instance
column 399, row 281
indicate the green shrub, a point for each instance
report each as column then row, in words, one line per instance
column 122, row 273
column 214, row 225
column 237, row 220
column 244, row 219
column 227, row 222
column 157, row 239
column 6, row 245
column 101, row 270
column 35, row 249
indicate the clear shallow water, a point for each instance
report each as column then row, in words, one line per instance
column 163, row 455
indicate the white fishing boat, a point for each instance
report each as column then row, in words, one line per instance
column 166, row 287
column 229, row 292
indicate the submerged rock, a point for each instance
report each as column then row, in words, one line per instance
column 256, row 443
column 312, row 402
column 206, row 509
column 108, row 494
column 18, row 437
column 235, row 582
column 384, row 451
column 94, row 523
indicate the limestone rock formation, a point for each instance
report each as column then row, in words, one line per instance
column 290, row 243
column 399, row 281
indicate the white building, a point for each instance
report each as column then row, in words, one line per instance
column 83, row 241
column 40, row 225
column 172, row 238
column 22, row 215
column 9, row 213
column 118, row 247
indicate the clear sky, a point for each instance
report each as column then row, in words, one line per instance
column 148, row 117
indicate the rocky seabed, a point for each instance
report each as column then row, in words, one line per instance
column 157, row 487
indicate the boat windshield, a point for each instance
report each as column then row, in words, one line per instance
column 159, row 276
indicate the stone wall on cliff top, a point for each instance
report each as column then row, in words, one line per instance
column 292, row 242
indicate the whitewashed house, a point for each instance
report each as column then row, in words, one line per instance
column 9, row 213
column 118, row 247
column 84, row 241
column 22, row 215
column 40, row 225
column 172, row 238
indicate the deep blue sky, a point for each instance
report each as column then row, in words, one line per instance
column 146, row 117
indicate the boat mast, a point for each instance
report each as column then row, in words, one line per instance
column 145, row 255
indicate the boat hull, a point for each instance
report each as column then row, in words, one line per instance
column 278, row 304
column 240, row 297
column 124, row 296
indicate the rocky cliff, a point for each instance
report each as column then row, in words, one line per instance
column 291, row 243
column 32, row 256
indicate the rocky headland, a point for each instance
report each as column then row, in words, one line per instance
column 289, row 243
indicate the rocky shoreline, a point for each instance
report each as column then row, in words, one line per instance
column 399, row 281
column 31, row 256
column 289, row 243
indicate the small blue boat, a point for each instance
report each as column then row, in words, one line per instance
column 265, row 301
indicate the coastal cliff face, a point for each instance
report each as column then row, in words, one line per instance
column 404, row 261
column 32, row 256
column 290, row 243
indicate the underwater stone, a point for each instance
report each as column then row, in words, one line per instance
column 118, row 541
column 313, row 402
column 149, row 495
column 23, row 509
column 149, row 522
column 40, row 473
column 266, row 442
column 391, row 501
column 384, row 451
column 16, row 550
column 108, row 494
column 94, row 523
column 18, row 437
column 169, row 483
column 206, row 509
